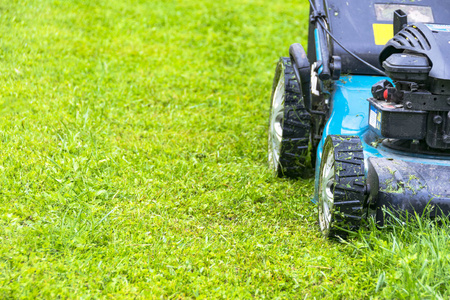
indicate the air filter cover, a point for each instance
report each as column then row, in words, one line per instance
column 407, row 67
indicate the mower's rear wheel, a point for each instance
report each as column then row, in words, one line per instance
column 289, row 124
column 341, row 186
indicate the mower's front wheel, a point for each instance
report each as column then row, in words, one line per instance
column 289, row 124
column 341, row 186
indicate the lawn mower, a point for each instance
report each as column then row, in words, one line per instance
column 368, row 109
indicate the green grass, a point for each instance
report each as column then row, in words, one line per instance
column 133, row 162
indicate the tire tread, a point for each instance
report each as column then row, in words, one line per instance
column 296, row 127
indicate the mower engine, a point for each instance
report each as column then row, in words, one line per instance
column 414, row 112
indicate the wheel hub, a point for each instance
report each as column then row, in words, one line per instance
column 326, row 199
column 276, row 126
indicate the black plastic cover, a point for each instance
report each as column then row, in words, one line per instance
column 407, row 67
column 428, row 39
column 351, row 22
column 389, row 121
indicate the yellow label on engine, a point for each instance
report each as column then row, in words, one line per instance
column 383, row 33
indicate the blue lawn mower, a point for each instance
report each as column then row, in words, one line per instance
column 369, row 107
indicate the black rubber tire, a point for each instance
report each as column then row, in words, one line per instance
column 347, row 185
column 293, row 155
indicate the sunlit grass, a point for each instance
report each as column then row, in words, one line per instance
column 133, row 141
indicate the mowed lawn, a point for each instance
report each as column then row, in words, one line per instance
column 133, row 162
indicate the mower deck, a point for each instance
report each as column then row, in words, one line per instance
column 404, row 186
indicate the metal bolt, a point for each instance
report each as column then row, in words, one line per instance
column 446, row 138
column 409, row 104
column 437, row 120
